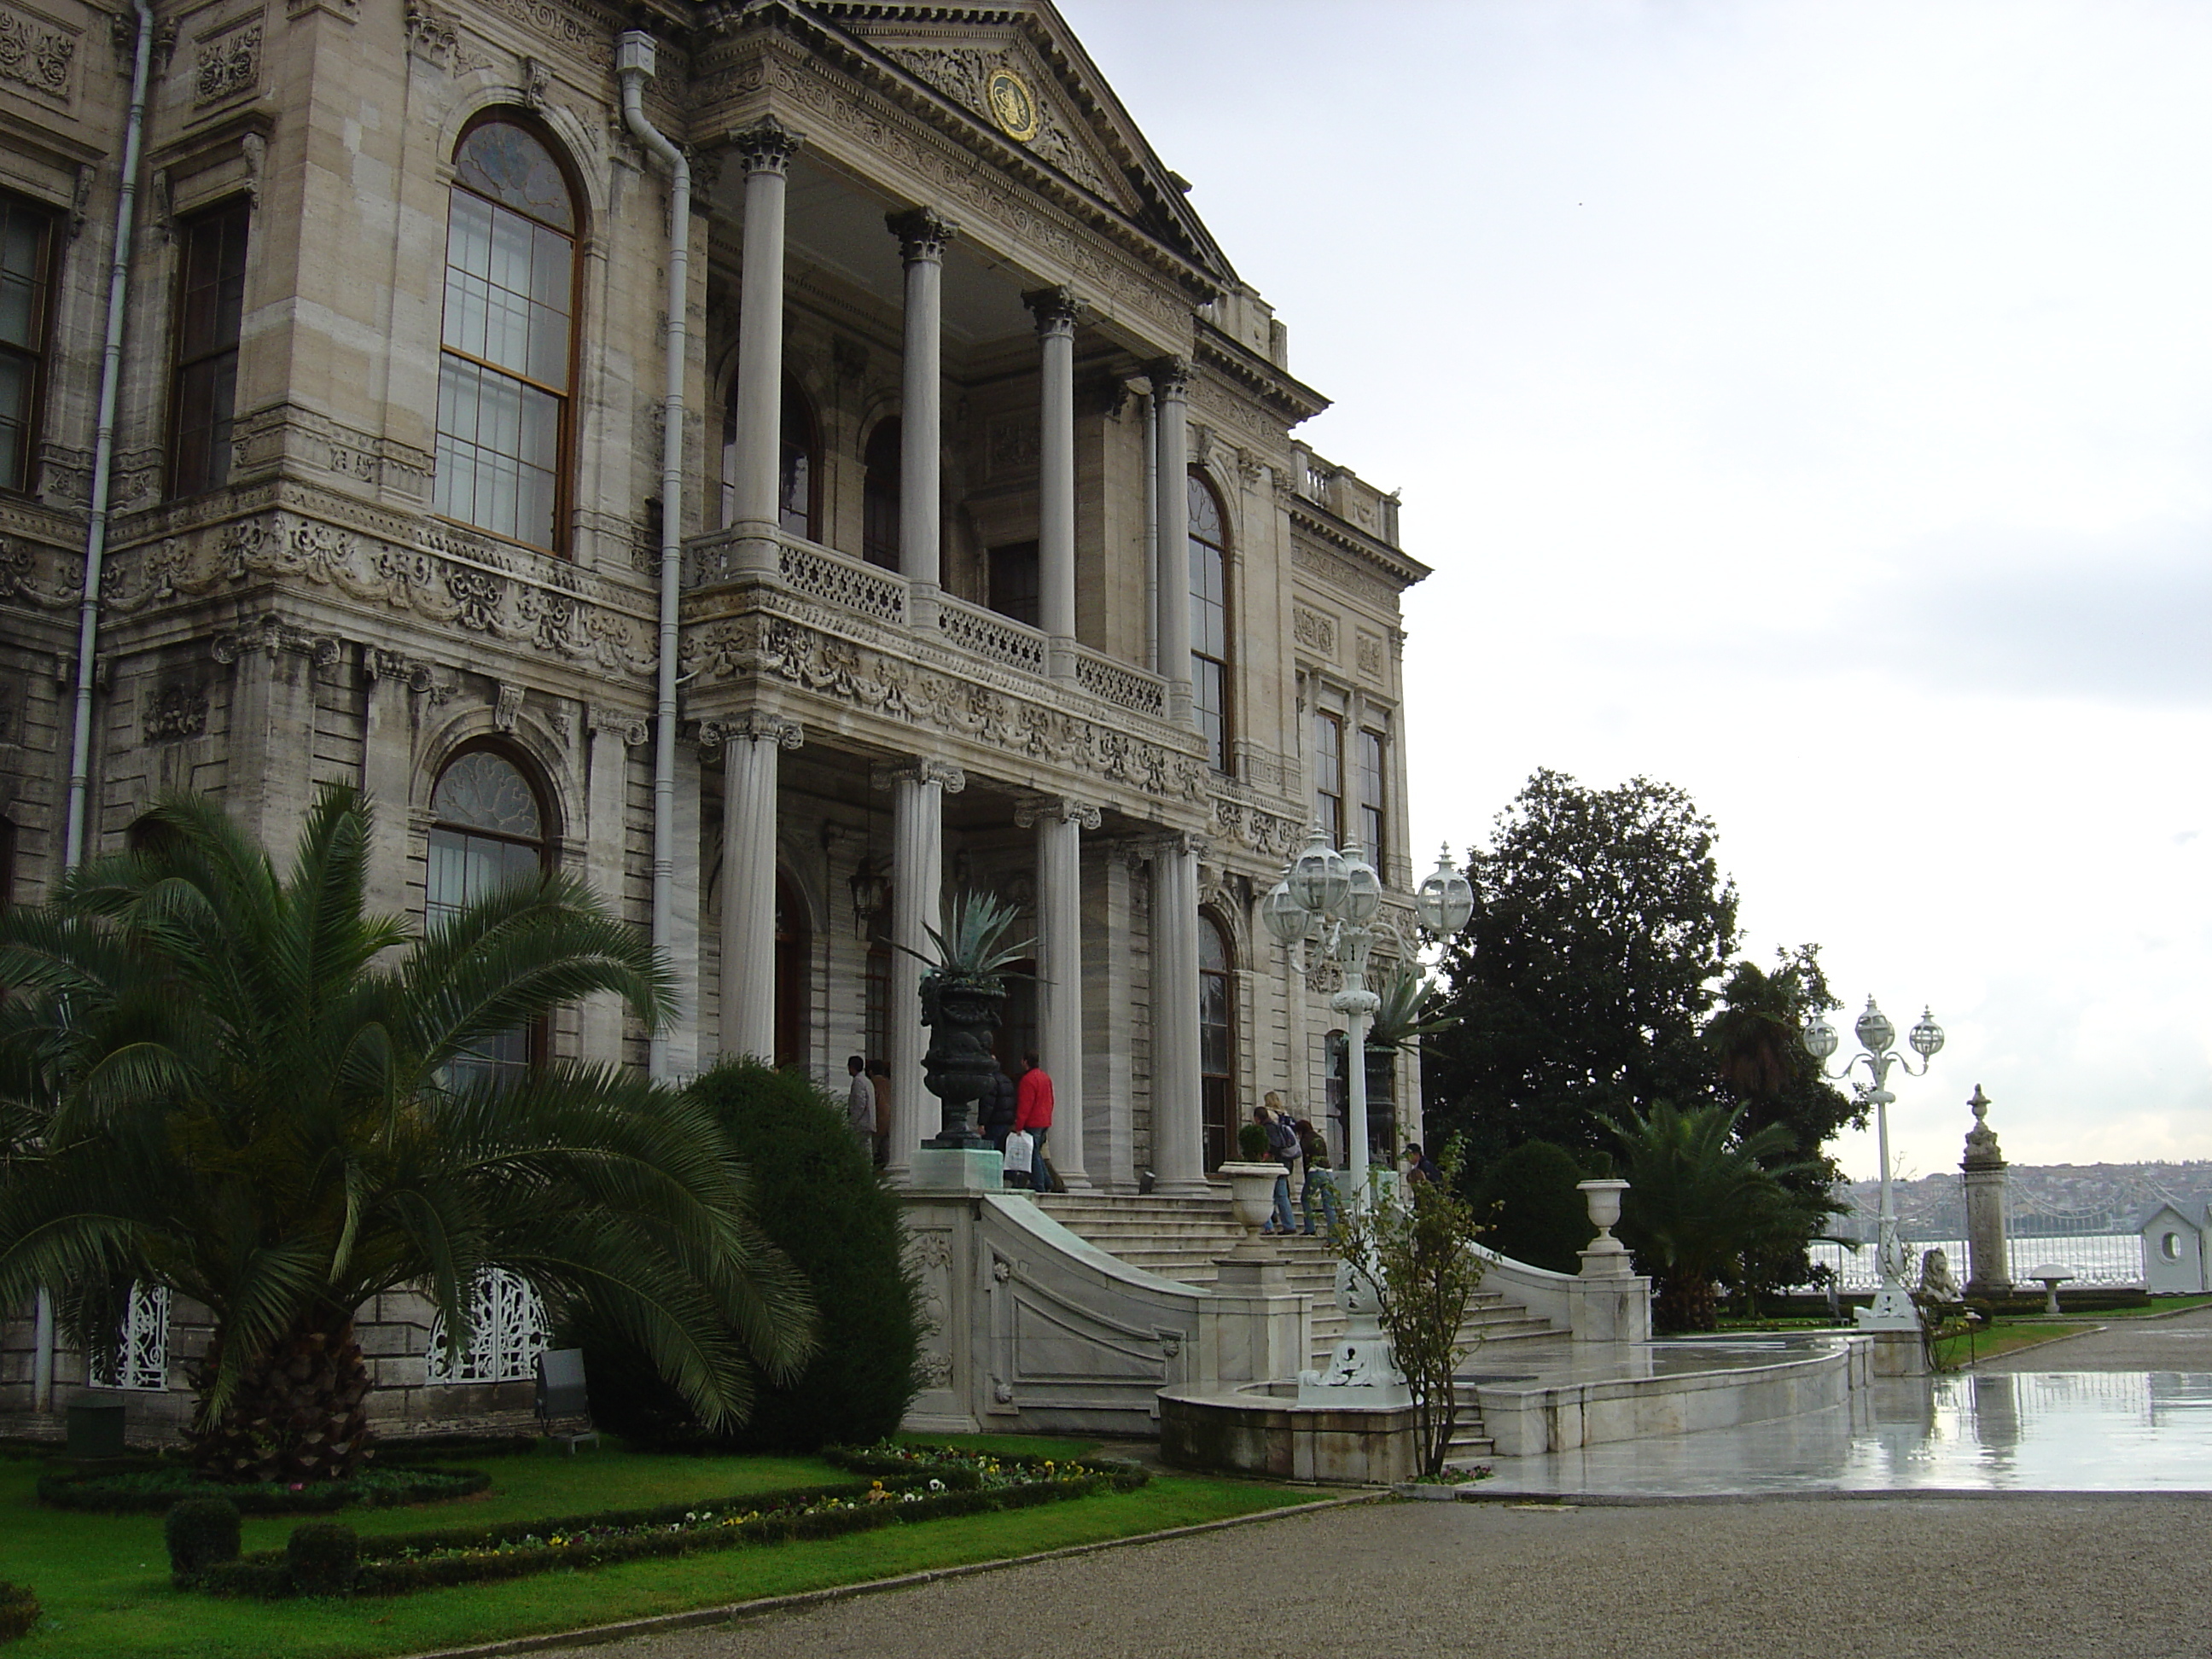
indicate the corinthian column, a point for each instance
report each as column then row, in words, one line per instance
column 922, row 236
column 1170, row 378
column 749, row 744
column 918, row 791
column 1060, row 825
column 1054, row 309
column 767, row 150
column 1178, row 1111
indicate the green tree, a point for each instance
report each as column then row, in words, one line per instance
column 215, row 1079
column 1761, row 1061
column 1418, row 1255
column 1583, row 983
column 1702, row 1196
column 1536, row 1213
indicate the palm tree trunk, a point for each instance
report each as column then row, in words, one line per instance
column 298, row 1413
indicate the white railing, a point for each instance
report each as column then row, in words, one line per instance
column 2092, row 1258
column 142, row 1359
column 1122, row 686
column 988, row 635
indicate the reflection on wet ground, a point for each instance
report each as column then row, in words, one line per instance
column 2029, row 1432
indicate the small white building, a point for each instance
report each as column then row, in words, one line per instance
column 2174, row 1251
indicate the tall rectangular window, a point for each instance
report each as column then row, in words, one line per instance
column 1371, row 795
column 1209, row 622
column 210, row 306
column 1328, row 776
column 27, row 241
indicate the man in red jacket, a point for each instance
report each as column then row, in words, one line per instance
column 1033, row 1112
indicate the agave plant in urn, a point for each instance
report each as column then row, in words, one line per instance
column 963, row 998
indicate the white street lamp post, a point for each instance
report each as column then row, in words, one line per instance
column 1334, row 900
column 1893, row 1309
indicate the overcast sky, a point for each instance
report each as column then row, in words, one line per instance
column 1807, row 404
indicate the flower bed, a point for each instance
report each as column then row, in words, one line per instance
column 925, row 1488
column 152, row 1492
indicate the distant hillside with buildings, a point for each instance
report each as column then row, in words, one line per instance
column 2052, row 1198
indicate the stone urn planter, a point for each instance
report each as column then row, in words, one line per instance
column 1252, row 1199
column 963, row 1000
column 1606, row 1257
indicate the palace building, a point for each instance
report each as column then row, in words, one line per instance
column 985, row 556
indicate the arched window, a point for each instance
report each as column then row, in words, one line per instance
column 798, row 464
column 489, row 830
column 1209, row 620
column 509, row 345
column 1217, row 1044
column 880, row 495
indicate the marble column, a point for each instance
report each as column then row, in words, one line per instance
column 1059, row 824
column 1178, row 1111
column 606, row 847
column 749, row 745
column 922, row 236
column 767, row 150
column 1055, row 310
column 1170, row 378
column 918, row 791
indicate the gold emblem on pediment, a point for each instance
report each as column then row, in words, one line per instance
column 1012, row 104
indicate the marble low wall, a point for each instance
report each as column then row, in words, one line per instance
column 1645, row 1397
column 1261, row 1430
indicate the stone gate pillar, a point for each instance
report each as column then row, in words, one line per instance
column 1989, row 1272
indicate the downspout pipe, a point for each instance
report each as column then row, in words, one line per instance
column 103, row 451
column 634, row 66
column 95, row 551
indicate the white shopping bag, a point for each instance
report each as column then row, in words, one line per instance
column 1017, row 1152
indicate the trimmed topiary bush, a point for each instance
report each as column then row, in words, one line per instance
column 323, row 1557
column 1527, row 1200
column 201, row 1533
column 19, row 1610
column 818, row 1195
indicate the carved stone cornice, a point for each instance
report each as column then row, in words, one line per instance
column 921, row 232
column 944, row 774
column 1282, row 394
column 755, row 726
column 1033, row 809
column 767, row 146
column 1055, row 308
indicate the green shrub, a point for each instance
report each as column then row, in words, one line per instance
column 1529, row 1200
column 817, row 1193
column 19, row 1610
column 1252, row 1143
column 201, row 1533
column 153, row 1491
column 323, row 1557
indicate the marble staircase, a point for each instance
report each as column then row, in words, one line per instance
column 1183, row 1238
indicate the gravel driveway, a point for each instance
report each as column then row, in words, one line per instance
column 1956, row 1578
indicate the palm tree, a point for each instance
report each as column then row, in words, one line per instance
column 216, row 1079
column 1701, row 1198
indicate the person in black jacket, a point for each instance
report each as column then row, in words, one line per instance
column 996, row 1110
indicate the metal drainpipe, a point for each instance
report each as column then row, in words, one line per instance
column 634, row 64
column 95, row 548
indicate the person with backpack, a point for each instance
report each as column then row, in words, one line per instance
column 1321, row 1180
column 1283, row 1147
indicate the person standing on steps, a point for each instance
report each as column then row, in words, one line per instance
column 879, row 1078
column 994, row 1112
column 1321, row 1180
column 860, row 1103
column 1033, row 1112
column 1282, row 1147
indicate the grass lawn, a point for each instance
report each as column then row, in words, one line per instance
column 104, row 1580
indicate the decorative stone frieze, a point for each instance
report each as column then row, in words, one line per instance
column 1270, row 834
column 37, row 53
column 41, row 577
column 1315, row 629
column 514, row 598
column 174, row 713
column 1373, row 663
column 226, row 63
column 782, row 649
column 967, row 76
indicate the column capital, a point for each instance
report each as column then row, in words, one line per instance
column 944, row 774
column 767, row 146
column 1055, row 308
column 922, row 233
column 633, row 729
column 757, row 728
column 1031, row 810
column 1165, row 843
column 1170, row 376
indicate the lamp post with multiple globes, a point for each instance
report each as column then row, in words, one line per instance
column 1335, row 900
column 1893, row 1309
